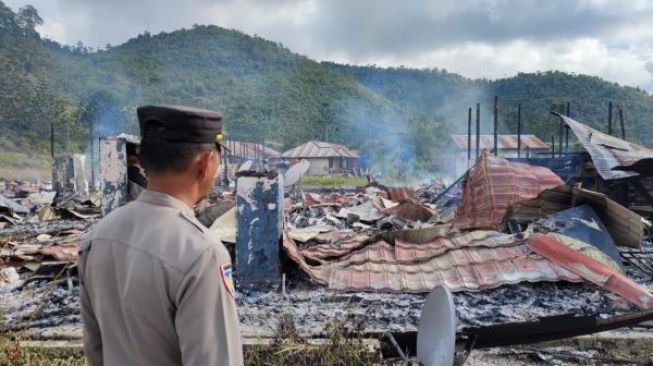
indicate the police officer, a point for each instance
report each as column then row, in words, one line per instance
column 156, row 286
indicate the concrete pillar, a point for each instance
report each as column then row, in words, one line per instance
column 259, row 215
column 113, row 173
column 69, row 177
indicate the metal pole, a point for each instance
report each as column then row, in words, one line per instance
column 610, row 118
column 469, row 135
column 91, row 133
column 566, row 139
column 52, row 138
column 568, row 110
column 560, row 134
column 478, row 131
column 553, row 147
column 621, row 122
column 496, row 124
column 519, row 130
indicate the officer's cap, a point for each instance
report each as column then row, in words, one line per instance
column 180, row 124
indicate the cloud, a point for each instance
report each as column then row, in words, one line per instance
column 477, row 38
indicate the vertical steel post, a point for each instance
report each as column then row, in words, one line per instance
column 496, row 124
column 621, row 122
column 519, row 130
column 478, row 131
column 610, row 118
column 469, row 135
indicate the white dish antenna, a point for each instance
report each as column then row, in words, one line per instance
column 436, row 334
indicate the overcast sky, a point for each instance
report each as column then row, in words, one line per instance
column 492, row 38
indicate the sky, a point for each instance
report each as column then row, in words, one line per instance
column 612, row 39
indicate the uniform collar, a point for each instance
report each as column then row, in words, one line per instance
column 163, row 199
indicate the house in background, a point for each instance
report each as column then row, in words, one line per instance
column 531, row 146
column 241, row 151
column 324, row 157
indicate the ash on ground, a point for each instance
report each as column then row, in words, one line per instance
column 41, row 307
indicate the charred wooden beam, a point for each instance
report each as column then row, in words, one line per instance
column 518, row 130
column 478, row 131
column 469, row 135
column 610, row 118
column 496, row 124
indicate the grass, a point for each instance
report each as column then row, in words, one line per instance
column 23, row 166
column 339, row 348
column 12, row 354
column 332, row 180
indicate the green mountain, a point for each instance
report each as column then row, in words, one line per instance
column 268, row 93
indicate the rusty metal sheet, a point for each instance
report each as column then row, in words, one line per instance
column 625, row 226
column 400, row 194
column 410, row 210
column 372, row 269
column 66, row 252
column 493, row 185
column 344, row 246
column 506, row 142
column 613, row 157
column 591, row 270
column 406, row 251
column 319, row 149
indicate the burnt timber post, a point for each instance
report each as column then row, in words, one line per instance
column 567, row 128
column 259, row 217
column 469, row 135
column 610, row 118
column 496, row 124
column 518, row 130
column 52, row 138
column 478, row 131
column 621, row 122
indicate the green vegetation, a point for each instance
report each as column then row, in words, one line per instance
column 336, row 180
column 286, row 348
column 269, row 93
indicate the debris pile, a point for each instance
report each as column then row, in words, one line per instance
column 513, row 241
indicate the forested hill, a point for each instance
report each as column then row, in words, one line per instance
column 267, row 92
column 446, row 97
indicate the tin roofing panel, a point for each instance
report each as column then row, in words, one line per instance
column 375, row 268
column 613, row 157
column 503, row 142
column 494, row 184
column 319, row 149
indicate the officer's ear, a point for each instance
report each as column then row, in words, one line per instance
column 202, row 163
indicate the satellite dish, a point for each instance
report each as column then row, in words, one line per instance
column 436, row 334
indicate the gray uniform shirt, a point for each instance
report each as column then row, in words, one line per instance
column 156, row 289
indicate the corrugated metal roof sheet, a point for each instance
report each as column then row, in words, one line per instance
column 494, row 184
column 374, row 268
column 552, row 247
column 319, row 149
column 250, row 150
column 625, row 226
column 503, row 142
column 613, row 157
column 546, row 257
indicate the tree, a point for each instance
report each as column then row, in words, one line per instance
column 27, row 19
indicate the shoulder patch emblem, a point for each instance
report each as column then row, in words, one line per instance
column 227, row 278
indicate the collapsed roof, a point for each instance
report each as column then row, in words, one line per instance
column 613, row 157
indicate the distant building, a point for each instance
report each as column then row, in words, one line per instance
column 506, row 144
column 242, row 151
column 324, row 157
